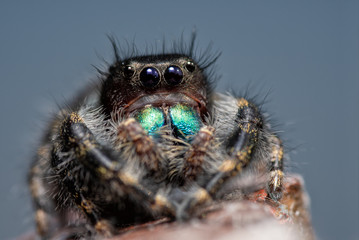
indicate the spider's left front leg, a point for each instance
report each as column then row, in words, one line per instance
column 240, row 147
column 240, row 144
column 275, row 184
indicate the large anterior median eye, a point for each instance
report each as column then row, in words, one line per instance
column 185, row 120
column 149, row 77
column 173, row 75
column 151, row 119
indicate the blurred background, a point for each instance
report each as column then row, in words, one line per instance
column 305, row 53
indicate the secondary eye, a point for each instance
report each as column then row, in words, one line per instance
column 173, row 75
column 128, row 71
column 149, row 77
column 190, row 66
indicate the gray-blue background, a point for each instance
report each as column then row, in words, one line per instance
column 306, row 52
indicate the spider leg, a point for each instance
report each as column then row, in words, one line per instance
column 75, row 138
column 107, row 166
column 274, row 186
column 239, row 146
column 146, row 152
column 132, row 138
column 44, row 214
column 48, row 220
column 195, row 158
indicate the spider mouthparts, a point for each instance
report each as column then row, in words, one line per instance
column 177, row 110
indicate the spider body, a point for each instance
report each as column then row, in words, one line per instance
column 152, row 141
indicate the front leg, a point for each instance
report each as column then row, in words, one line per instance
column 98, row 178
column 275, row 184
column 240, row 147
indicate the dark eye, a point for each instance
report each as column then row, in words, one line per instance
column 173, row 75
column 149, row 77
column 190, row 66
column 128, row 71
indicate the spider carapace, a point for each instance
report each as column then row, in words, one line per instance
column 151, row 140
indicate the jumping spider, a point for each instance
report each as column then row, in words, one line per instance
column 152, row 140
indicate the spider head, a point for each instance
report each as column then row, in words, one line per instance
column 155, row 87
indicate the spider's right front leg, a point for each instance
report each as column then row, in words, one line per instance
column 92, row 169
